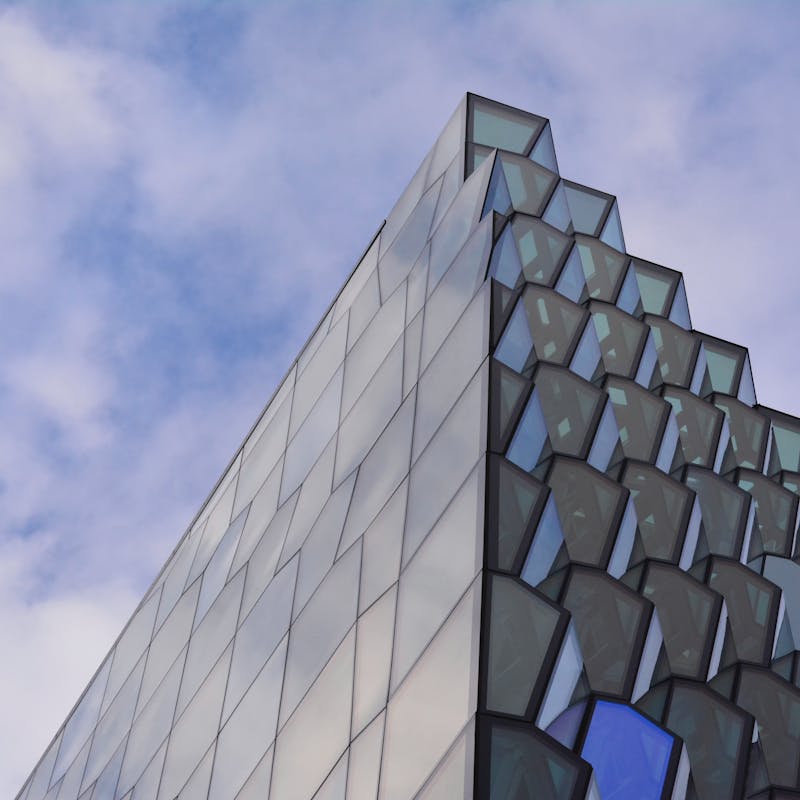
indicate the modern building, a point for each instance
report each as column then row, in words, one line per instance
column 509, row 528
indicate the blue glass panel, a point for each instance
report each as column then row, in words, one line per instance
column 516, row 343
column 497, row 197
column 505, row 265
column 571, row 282
column 630, row 754
column 530, row 437
column 587, row 354
column 545, row 546
column 586, row 208
column 544, row 153
column 557, row 213
column 612, row 230
column 629, row 299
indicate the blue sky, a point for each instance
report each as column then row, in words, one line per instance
column 184, row 187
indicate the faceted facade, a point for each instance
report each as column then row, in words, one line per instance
column 510, row 528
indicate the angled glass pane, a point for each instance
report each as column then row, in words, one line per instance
column 676, row 349
column 496, row 125
column 529, row 185
column 688, row 612
column 610, row 621
column 528, row 444
column 547, row 548
column 663, row 506
column 365, row 762
column 505, row 265
column 541, row 248
column 522, row 626
column 603, row 268
column 612, row 230
column 621, row 338
column 748, row 430
column 699, row 426
column 724, row 508
column 508, row 393
column 557, row 213
column 571, row 408
column 656, row 285
column 752, row 603
column 725, row 362
column 630, row 754
column 587, row 207
column 640, row 416
column 589, row 507
column 555, row 323
column 785, row 453
column 776, row 511
column 543, row 151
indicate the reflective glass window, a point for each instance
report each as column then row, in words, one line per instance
column 748, row 430
column 541, row 248
column 495, row 125
column 785, row 454
column 776, row 511
column 621, row 338
column 725, row 361
column 640, row 416
column 529, row 185
column 699, row 426
column 603, row 268
column 676, row 349
column 588, row 207
column 656, row 285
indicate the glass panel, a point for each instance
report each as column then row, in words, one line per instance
column 609, row 619
column 355, row 283
column 249, row 731
column 724, row 364
column 450, row 187
column 529, row 441
column 309, row 386
column 776, row 707
column 107, row 782
column 529, row 185
column 373, row 661
column 365, row 763
column 454, row 777
column 404, row 206
column 498, row 197
column 319, row 629
column 688, row 613
column 218, row 521
column 752, row 603
column 662, row 508
column 525, row 764
column 699, row 425
column 543, row 152
column 629, row 300
column 612, row 230
column 147, row 786
column 433, row 704
column 603, row 268
column 197, row 785
column 630, row 754
column 505, row 265
column 381, row 472
column 522, row 626
column 676, row 349
column 257, row 786
column 640, row 418
column 507, row 394
column 195, row 730
column 748, row 431
column 211, row 638
column 382, row 544
column 446, row 462
column 587, row 207
column 312, row 437
column 724, row 509
column 516, row 502
column 495, row 125
column 259, row 635
column 786, row 441
column 541, row 249
column 656, row 286
column 570, row 407
column 716, row 735
column 261, row 566
column 558, row 213
column 548, row 542
column 621, row 338
column 364, row 309
column 396, row 263
column 776, row 511
column 437, row 575
column 516, row 344
column 555, row 323
column 411, row 353
column 449, row 372
column 319, row 730
column 589, row 507
column 571, row 282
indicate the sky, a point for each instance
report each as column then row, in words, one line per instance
column 185, row 186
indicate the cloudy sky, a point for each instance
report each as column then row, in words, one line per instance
column 183, row 188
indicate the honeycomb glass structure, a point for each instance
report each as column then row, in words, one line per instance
column 509, row 528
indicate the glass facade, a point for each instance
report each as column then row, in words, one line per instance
column 509, row 528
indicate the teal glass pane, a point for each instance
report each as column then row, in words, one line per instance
column 555, row 323
column 529, row 185
column 676, row 350
column 722, row 369
column 699, row 425
column 748, row 431
column 640, row 418
column 724, row 508
column 587, row 208
column 786, row 444
column 495, row 126
column 621, row 338
column 602, row 267
column 656, row 286
column 630, row 754
column 541, row 248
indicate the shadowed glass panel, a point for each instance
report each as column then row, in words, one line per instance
column 676, row 349
column 524, row 764
column 529, row 185
column 609, row 619
column 587, row 207
column 776, row 511
column 716, row 735
column 603, row 268
column 629, row 753
column 541, row 248
column 494, row 125
column 640, row 417
column 656, row 285
column 589, row 507
column 725, row 361
column 621, row 338
column 785, row 453
column 688, row 613
column 752, row 603
column 662, row 509
column 521, row 629
column 724, row 508
column 748, row 430
column 699, row 426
